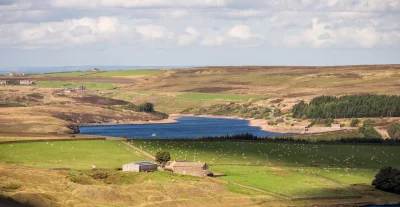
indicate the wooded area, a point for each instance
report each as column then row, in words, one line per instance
column 349, row 106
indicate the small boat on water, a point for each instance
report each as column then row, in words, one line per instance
column 154, row 134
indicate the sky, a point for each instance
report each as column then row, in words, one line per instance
column 198, row 32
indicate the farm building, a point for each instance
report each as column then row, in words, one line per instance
column 80, row 89
column 189, row 168
column 140, row 167
column 13, row 74
column 95, row 70
column 335, row 126
column 26, row 82
column 3, row 82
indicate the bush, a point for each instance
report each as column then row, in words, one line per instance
column 99, row 175
column 163, row 156
column 388, row 179
column 354, row 122
column 271, row 123
column 369, row 132
column 394, row 130
column 280, row 120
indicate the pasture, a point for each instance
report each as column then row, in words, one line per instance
column 89, row 85
column 277, row 154
column 70, row 154
column 290, row 169
column 283, row 181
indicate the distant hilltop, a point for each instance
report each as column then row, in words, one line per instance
column 31, row 70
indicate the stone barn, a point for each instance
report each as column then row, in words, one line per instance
column 140, row 167
column 189, row 168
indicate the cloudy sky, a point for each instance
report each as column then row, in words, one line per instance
column 198, row 32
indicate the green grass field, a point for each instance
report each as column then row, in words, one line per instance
column 70, row 154
column 282, row 181
column 293, row 170
column 234, row 97
column 343, row 175
column 89, row 85
column 280, row 154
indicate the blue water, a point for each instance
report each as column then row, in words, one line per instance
column 186, row 127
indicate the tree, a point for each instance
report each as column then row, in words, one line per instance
column 388, row 179
column 146, row 107
column 163, row 156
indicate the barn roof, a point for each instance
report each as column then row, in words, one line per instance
column 187, row 164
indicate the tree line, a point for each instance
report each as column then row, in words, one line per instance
column 349, row 106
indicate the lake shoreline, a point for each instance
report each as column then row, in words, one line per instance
column 173, row 119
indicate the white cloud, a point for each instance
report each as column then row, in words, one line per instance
column 154, row 32
column 138, row 3
column 190, row 37
column 68, row 33
column 240, row 31
column 213, row 40
column 178, row 13
column 322, row 35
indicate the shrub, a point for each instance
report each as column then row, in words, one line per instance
column 162, row 156
column 354, row 122
column 388, row 179
column 369, row 132
column 99, row 175
column 271, row 123
column 280, row 120
column 394, row 130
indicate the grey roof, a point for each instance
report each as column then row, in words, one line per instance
column 145, row 163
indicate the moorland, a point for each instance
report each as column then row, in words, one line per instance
column 57, row 171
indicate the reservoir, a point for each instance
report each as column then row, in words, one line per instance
column 185, row 127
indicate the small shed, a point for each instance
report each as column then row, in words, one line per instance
column 140, row 167
column 335, row 126
column 189, row 168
